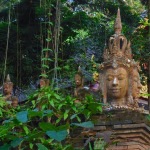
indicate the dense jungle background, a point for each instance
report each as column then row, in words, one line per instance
column 51, row 38
column 58, row 36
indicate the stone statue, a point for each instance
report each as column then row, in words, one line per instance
column 7, row 92
column 80, row 90
column 44, row 82
column 119, row 74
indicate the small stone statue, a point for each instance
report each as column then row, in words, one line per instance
column 7, row 92
column 44, row 82
column 80, row 90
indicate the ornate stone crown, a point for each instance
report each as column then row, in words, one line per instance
column 118, row 51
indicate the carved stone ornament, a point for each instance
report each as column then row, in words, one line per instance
column 119, row 73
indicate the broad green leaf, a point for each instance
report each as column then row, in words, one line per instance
column 25, row 128
column 45, row 66
column 57, row 135
column 148, row 117
column 52, row 102
column 73, row 116
column 57, row 96
column 41, row 146
column 47, row 112
column 49, row 96
column 16, row 142
column 34, row 134
column 87, row 124
column 35, row 113
column 31, row 146
column 66, row 114
column 46, row 126
column 46, row 59
column 63, row 127
column 7, row 121
column 22, row 116
column 5, row 147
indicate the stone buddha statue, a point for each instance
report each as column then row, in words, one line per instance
column 7, row 92
column 118, row 72
column 80, row 90
column 44, row 82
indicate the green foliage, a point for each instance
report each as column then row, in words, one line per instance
column 48, row 122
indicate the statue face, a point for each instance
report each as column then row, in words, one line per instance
column 78, row 80
column 116, row 83
column 136, row 84
column 14, row 103
column 42, row 83
column 7, row 89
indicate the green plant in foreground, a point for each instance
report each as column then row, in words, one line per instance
column 47, row 123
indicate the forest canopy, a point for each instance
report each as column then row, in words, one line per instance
column 58, row 36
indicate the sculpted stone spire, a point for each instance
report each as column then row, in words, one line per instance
column 118, row 24
column 8, row 78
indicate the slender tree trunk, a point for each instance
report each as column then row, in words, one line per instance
column 7, row 44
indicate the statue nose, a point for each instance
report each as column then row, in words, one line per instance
column 115, row 81
column 139, row 85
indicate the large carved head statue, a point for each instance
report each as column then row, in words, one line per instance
column 117, row 70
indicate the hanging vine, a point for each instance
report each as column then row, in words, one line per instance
column 56, row 40
column 46, row 48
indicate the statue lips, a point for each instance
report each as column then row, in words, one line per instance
column 138, row 92
column 115, row 90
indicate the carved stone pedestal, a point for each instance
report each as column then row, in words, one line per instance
column 123, row 130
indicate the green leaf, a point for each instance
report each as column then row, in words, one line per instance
column 22, row 116
column 57, row 96
column 35, row 113
column 73, row 116
column 46, row 59
column 45, row 66
column 87, row 124
column 25, row 128
column 41, row 146
column 44, row 75
column 47, row 112
column 31, row 146
column 51, row 103
column 34, row 134
column 66, row 114
column 5, row 147
column 63, row 127
column 46, row 126
column 16, row 142
column 57, row 135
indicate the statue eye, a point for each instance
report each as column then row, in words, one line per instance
column 109, row 78
column 120, row 77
